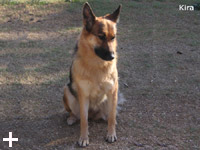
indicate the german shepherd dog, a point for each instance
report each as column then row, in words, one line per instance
column 93, row 88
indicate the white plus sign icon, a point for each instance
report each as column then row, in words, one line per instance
column 10, row 139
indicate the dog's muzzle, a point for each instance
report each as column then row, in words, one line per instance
column 104, row 54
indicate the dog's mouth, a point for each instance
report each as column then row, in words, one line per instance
column 104, row 54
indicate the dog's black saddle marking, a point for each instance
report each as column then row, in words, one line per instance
column 73, row 92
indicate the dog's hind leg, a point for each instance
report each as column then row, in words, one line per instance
column 103, row 111
column 71, row 119
column 71, row 105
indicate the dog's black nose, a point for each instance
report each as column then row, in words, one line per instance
column 112, row 55
column 104, row 54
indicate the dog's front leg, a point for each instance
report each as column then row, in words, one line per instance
column 112, row 106
column 84, row 105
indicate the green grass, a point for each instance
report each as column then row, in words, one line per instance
column 3, row 44
column 186, row 1
column 100, row 7
column 70, row 30
column 35, row 2
column 30, row 44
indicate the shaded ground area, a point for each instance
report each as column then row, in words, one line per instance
column 159, row 69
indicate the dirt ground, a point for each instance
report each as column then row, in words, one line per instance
column 159, row 70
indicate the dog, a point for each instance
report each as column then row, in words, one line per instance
column 93, row 88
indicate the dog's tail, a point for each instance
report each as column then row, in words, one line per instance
column 121, row 101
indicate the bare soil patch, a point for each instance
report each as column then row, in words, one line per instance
column 159, row 69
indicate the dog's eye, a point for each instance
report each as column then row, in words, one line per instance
column 113, row 38
column 102, row 37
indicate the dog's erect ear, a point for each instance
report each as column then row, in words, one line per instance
column 115, row 15
column 88, row 17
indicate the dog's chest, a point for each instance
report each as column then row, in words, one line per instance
column 98, row 94
column 101, row 88
column 97, row 90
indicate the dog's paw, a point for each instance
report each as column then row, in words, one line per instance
column 83, row 142
column 71, row 120
column 111, row 138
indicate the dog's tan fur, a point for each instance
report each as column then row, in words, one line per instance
column 95, row 80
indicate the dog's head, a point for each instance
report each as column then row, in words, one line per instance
column 101, row 32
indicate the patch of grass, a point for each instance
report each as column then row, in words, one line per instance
column 79, row 1
column 186, row 1
column 8, row 2
column 37, row 2
column 134, row 5
column 194, row 43
column 172, row 32
column 75, row 6
column 100, row 7
column 172, row 65
column 70, row 30
column 139, row 33
column 30, row 44
column 161, row 0
column 2, row 69
column 148, row 33
column 3, row 44
column 32, row 2
column 158, row 5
